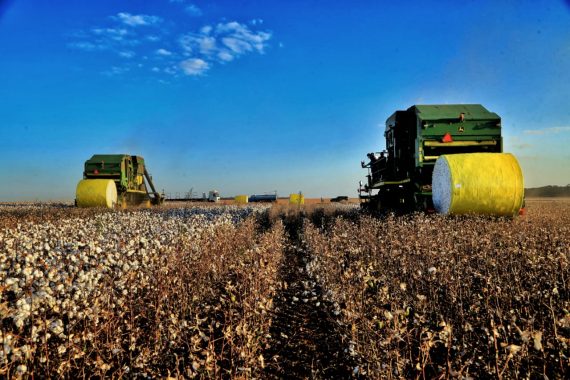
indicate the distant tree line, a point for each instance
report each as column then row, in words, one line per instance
column 548, row 191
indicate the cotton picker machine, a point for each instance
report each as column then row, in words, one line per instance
column 116, row 180
column 444, row 157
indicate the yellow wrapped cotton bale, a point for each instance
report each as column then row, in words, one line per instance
column 297, row 199
column 241, row 199
column 96, row 193
column 478, row 183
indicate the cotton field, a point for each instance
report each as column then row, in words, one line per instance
column 85, row 296
column 273, row 292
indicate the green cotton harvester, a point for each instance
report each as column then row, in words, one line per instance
column 447, row 158
column 116, row 181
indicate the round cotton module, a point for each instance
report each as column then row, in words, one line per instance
column 477, row 183
column 441, row 186
column 96, row 193
column 297, row 199
column 241, row 199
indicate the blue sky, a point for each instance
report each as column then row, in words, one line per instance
column 255, row 96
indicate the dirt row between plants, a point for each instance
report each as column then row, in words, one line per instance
column 308, row 339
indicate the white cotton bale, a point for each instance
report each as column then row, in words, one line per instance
column 478, row 183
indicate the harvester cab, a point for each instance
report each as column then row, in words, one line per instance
column 443, row 157
column 116, row 180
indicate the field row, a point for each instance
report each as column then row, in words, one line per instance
column 180, row 292
column 428, row 296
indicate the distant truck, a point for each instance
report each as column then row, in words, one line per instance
column 340, row 198
column 213, row 196
column 263, row 198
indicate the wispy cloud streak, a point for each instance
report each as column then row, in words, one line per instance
column 137, row 20
column 193, row 10
column 546, row 131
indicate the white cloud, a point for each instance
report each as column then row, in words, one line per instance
column 117, row 34
column 194, row 66
column 115, row 70
column 546, row 131
column 239, row 35
column 225, row 56
column 193, row 10
column 171, row 70
column 187, row 43
column 522, row 146
column 236, row 39
column 236, row 45
column 204, row 44
column 190, row 8
column 127, row 54
column 207, row 45
column 164, row 52
column 223, row 44
column 87, row 46
column 203, row 48
column 206, row 29
column 105, row 39
column 138, row 20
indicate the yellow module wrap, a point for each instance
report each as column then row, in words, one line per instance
column 96, row 193
column 241, row 199
column 296, row 199
column 478, row 183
